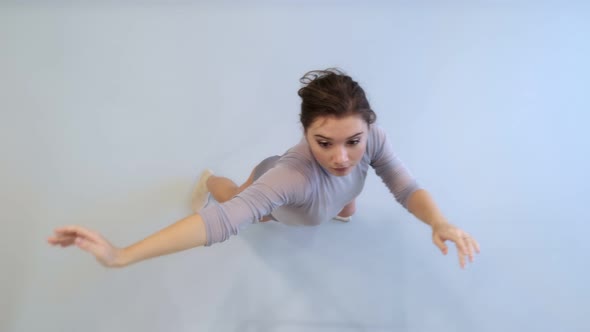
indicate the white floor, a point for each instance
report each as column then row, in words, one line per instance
column 109, row 111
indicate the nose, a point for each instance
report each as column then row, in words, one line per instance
column 340, row 157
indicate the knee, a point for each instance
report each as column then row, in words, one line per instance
column 348, row 210
column 225, row 197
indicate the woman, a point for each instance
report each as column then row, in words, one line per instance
column 314, row 181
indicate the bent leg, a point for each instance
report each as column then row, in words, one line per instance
column 224, row 189
column 348, row 210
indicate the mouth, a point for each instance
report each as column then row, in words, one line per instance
column 341, row 169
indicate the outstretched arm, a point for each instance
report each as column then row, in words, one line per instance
column 415, row 199
column 421, row 205
column 184, row 234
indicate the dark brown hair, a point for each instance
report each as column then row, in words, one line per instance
column 331, row 92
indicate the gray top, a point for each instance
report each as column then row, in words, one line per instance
column 298, row 190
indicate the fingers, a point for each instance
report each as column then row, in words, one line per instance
column 63, row 241
column 77, row 231
column 461, row 251
column 466, row 247
column 66, row 236
column 87, row 246
column 440, row 244
column 472, row 246
column 475, row 245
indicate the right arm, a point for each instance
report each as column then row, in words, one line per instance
column 184, row 234
column 215, row 223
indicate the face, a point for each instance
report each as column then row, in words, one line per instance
column 338, row 144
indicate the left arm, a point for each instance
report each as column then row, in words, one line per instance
column 421, row 205
column 418, row 201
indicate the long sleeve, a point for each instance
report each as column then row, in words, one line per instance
column 279, row 186
column 390, row 168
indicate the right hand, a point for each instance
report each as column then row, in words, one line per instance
column 90, row 241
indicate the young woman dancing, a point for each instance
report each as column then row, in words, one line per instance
column 316, row 180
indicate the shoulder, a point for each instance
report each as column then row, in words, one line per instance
column 377, row 133
column 290, row 182
column 299, row 158
column 376, row 140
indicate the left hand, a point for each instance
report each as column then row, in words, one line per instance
column 466, row 245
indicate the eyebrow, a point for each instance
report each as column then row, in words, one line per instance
column 329, row 139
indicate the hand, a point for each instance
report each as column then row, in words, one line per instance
column 90, row 241
column 466, row 245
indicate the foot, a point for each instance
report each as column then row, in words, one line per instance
column 343, row 219
column 201, row 193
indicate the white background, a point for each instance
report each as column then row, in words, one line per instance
column 109, row 111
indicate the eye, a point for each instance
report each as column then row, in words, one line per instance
column 323, row 144
column 354, row 142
